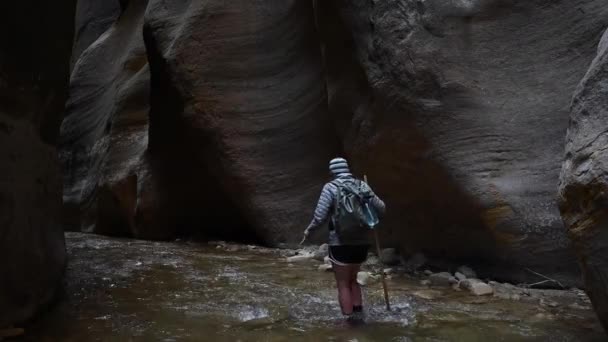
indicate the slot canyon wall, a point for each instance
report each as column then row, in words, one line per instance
column 457, row 111
column 35, row 48
column 238, row 133
column 583, row 189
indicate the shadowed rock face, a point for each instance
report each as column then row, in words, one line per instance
column 457, row 114
column 105, row 131
column 239, row 111
column 35, row 44
column 583, row 191
column 93, row 18
column 239, row 130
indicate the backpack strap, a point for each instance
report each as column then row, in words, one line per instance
column 352, row 185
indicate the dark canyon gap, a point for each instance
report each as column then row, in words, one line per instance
column 35, row 47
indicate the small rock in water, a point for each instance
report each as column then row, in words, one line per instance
column 460, row 276
column 425, row 282
column 481, row 289
column 326, row 267
column 322, row 252
column 548, row 303
column 477, row 287
column 467, row 271
column 441, row 279
column 232, row 248
column 372, row 261
column 300, row 258
column 544, row 316
column 364, row 278
column 388, row 271
column 428, row 272
column 389, row 256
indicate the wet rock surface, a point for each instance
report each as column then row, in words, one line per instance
column 473, row 99
column 583, row 191
column 35, row 44
column 124, row 289
column 238, row 100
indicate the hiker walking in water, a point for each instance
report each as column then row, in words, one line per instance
column 341, row 203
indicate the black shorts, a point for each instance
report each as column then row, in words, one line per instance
column 349, row 254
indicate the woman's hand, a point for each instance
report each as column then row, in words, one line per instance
column 305, row 237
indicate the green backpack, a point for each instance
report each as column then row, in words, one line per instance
column 349, row 216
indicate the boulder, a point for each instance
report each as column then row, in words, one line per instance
column 35, row 44
column 441, row 279
column 473, row 98
column 389, row 256
column 583, row 191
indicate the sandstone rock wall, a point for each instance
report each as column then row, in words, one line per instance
column 35, row 45
column 457, row 112
column 583, row 191
column 239, row 134
column 238, row 93
column 93, row 18
column 105, row 130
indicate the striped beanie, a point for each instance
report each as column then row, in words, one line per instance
column 338, row 166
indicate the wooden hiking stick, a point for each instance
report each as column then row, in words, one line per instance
column 384, row 286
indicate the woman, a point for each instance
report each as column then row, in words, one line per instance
column 346, row 257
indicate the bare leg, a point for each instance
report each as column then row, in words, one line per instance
column 355, row 289
column 343, row 281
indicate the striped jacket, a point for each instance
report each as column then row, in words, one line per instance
column 325, row 207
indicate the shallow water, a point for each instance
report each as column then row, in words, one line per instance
column 126, row 290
